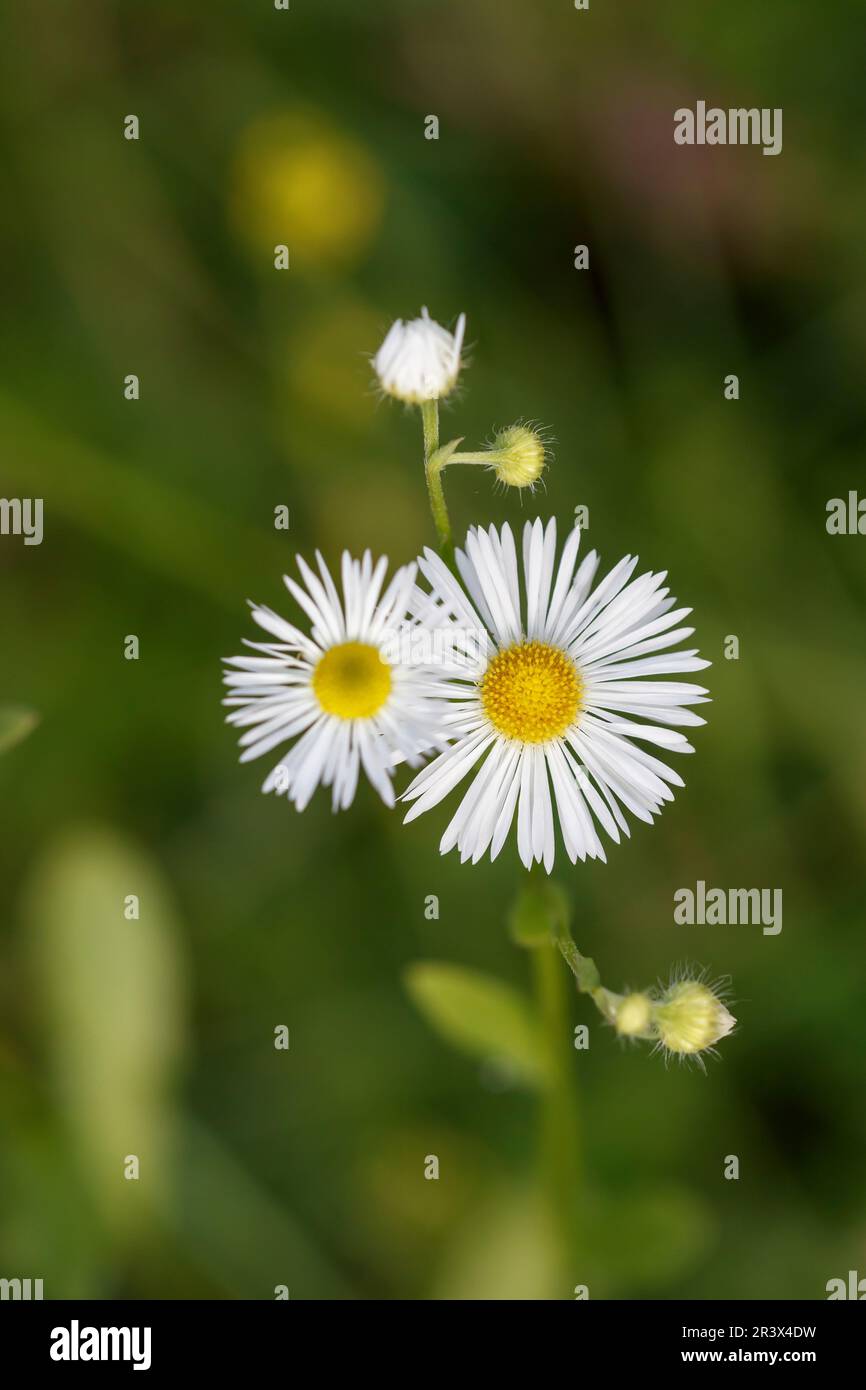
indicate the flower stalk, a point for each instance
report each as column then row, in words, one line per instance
column 538, row 918
column 435, row 460
column 560, row 1157
column 517, row 457
column 686, row 1018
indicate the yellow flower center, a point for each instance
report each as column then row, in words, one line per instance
column 531, row 692
column 352, row 681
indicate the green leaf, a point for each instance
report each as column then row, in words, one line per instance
column 16, row 722
column 480, row 1015
column 442, row 456
column 112, row 995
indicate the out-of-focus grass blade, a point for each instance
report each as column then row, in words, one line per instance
column 114, row 1007
column 478, row 1014
column 16, row 722
column 177, row 535
column 504, row 1251
column 244, row 1238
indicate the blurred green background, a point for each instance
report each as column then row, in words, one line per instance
column 154, row 1037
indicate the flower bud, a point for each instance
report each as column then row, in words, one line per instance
column 633, row 1018
column 518, row 456
column 420, row 360
column 690, row 1017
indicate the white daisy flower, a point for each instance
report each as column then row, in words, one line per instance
column 554, row 697
column 336, row 692
column 420, row 360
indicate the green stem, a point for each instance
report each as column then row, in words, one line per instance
column 586, row 974
column 560, row 1136
column 433, row 474
column 485, row 456
column 430, row 423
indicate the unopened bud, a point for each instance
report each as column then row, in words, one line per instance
column 420, row 360
column 633, row 1018
column 690, row 1017
column 518, row 456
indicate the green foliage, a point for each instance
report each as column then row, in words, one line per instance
column 480, row 1015
column 16, row 722
column 140, row 257
column 112, row 993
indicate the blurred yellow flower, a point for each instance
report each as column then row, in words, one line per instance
column 298, row 180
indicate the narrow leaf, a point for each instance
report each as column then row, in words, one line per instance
column 480, row 1015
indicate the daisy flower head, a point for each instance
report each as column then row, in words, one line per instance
column 420, row 360
column 341, row 693
column 554, row 706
